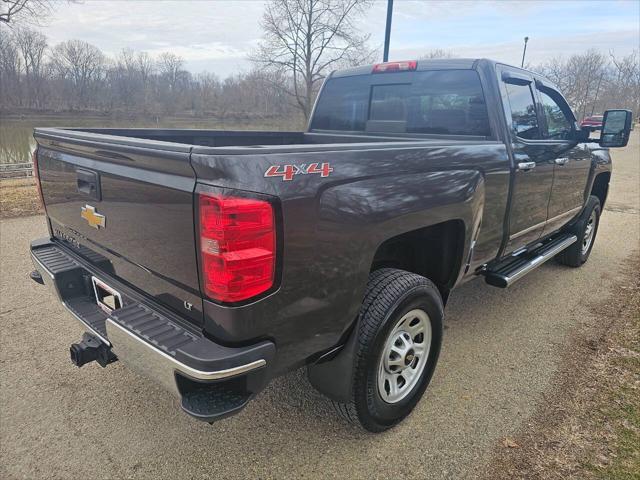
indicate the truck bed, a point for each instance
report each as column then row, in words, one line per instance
column 146, row 181
column 238, row 140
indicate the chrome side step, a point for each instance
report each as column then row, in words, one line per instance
column 514, row 268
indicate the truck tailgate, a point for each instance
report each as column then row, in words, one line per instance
column 126, row 205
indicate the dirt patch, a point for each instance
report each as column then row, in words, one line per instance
column 19, row 197
column 589, row 426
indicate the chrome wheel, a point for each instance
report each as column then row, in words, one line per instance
column 588, row 233
column 404, row 356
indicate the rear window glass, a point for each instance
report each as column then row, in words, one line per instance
column 388, row 102
column 449, row 102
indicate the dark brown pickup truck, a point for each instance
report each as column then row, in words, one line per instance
column 213, row 261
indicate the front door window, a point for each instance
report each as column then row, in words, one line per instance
column 523, row 111
column 558, row 125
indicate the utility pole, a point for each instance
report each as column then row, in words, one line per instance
column 524, row 52
column 387, row 33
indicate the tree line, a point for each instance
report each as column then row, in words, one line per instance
column 593, row 82
column 303, row 41
column 77, row 76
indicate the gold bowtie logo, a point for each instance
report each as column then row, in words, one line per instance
column 93, row 218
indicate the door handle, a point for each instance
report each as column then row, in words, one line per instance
column 88, row 182
column 526, row 166
column 562, row 161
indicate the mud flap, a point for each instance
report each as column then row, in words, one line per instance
column 332, row 374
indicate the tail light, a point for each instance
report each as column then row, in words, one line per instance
column 237, row 246
column 36, row 175
column 405, row 66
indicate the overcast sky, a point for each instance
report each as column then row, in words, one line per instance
column 217, row 35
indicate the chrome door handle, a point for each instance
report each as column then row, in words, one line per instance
column 562, row 161
column 526, row 166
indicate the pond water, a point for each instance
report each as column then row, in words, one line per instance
column 17, row 143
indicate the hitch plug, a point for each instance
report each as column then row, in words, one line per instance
column 91, row 349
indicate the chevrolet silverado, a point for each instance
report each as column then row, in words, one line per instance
column 213, row 261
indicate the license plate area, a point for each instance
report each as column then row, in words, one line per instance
column 107, row 298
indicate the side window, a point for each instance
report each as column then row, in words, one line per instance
column 343, row 104
column 558, row 125
column 523, row 111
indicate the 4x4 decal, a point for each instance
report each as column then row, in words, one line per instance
column 288, row 171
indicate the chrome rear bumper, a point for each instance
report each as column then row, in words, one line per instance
column 151, row 362
column 153, row 341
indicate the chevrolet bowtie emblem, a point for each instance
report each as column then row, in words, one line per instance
column 93, row 218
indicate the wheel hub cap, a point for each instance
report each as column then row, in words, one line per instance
column 409, row 359
column 404, row 356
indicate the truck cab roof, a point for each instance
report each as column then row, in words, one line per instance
column 433, row 64
column 430, row 64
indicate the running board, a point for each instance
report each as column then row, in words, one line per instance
column 515, row 267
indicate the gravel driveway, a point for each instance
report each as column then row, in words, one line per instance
column 499, row 355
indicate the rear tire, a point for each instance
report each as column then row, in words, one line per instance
column 585, row 228
column 399, row 336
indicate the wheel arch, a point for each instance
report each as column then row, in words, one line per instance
column 600, row 187
column 435, row 252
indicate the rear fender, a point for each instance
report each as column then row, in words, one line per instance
column 360, row 216
column 366, row 213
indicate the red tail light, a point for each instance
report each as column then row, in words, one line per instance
column 36, row 175
column 405, row 66
column 237, row 243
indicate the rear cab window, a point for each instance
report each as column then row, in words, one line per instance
column 439, row 102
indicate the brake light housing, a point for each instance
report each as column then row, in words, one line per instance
column 237, row 246
column 402, row 66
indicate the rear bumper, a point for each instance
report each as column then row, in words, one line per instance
column 211, row 380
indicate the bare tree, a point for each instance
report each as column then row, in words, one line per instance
column 306, row 39
column 10, row 71
column 125, row 76
column 206, row 92
column 32, row 46
column 171, row 73
column 170, row 66
column 82, row 64
column 146, row 69
column 578, row 77
column 626, row 82
column 26, row 11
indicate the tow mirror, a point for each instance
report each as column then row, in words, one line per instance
column 616, row 127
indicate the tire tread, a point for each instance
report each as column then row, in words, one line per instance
column 572, row 256
column 384, row 289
